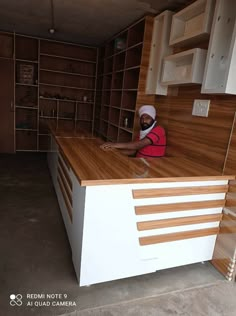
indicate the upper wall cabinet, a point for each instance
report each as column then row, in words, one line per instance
column 219, row 76
column 159, row 49
column 193, row 23
column 186, row 67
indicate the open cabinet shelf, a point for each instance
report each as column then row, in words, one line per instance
column 193, row 23
column 186, row 67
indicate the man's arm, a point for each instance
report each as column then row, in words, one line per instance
column 136, row 145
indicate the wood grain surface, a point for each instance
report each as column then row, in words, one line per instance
column 152, row 193
column 177, row 207
column 149, row 240
column 180, row 221
column 92, row 165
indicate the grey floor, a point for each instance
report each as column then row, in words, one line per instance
column 35, row 258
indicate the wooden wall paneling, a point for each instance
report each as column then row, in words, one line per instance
column 204, row 139
column 230, row 159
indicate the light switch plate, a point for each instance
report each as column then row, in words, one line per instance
column 201, row 107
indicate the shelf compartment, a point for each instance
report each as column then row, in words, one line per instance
column 114, row 116
column 58, row 92
column 159, row 49
column 109, row 48
column 119, row 61
column 67, row 50
column 67, row 66
column 26, row 73
column 120, row 42
column 127, row 120
column 116, row 98
column 131, row 79
column 26, row 119
column 219, row 76
column 124, row 136
column 193, row 23
column 66, row 110
column 84, row 126
column 112, row 133
column 107, row 80
column 108, row 65
column 106, row 96
column 129, row 100
column 117, row 80
column 44, row 142
column 135, row 33
column 26, row 96
column 26, row 48
column 26, row 140
column 43, row 124
column 104, row 112
column 186, row 67
column 67, row 80
column 48, row 108
column 84, row 111
column 68, row 125
column 134, row 56
column 103, row 128
column 7, row 45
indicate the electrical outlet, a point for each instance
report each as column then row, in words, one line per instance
column 201, row 108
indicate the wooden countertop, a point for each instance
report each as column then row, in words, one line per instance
column 94, row 166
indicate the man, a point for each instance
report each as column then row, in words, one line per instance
column 151, row 141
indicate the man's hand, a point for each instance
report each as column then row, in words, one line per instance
column 107, row 146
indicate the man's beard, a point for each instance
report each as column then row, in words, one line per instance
column 145, row 126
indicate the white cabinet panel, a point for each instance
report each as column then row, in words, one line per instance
column 219, row 76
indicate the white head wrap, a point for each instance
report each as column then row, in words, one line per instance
column 148, row 109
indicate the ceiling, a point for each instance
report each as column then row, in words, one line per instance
column 81, row 21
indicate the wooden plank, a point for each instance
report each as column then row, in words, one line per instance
column 171, row 222
column 68, row 207
column 65, row 172
column 149, row 240
column 65, row 185
column 177, row 207
column 152, row 193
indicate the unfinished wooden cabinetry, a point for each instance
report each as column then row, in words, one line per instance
column 193, row 23
column 159, row 49
column 219, row 76
column 186, row 67
column 120, row 64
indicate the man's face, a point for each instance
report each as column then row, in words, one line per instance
column 146, row 121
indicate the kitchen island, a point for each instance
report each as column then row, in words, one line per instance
column 128, row 216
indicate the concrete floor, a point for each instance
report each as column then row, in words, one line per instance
column 35, row 258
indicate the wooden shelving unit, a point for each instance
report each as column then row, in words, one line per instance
column 26, row 93
column 120, row 61
column 67, row 85
column 53, row 81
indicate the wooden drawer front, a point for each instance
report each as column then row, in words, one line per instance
column 65, row 185
column 153, row 193
column 65, row 172
column 192, row 212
